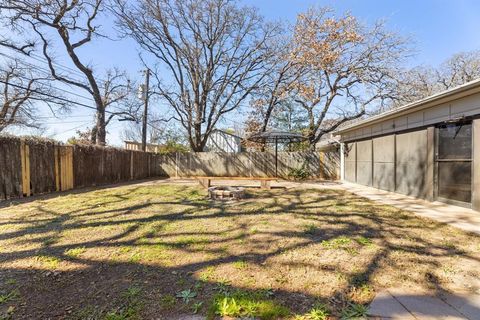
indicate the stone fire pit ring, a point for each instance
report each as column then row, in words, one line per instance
column 226, row 193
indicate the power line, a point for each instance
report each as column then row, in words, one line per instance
column 48, row 95
column 54, row 97
column 47, row 71
column 74, row 128
column 43, row 60
column 54, row 87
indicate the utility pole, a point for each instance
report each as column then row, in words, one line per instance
column 146, row 90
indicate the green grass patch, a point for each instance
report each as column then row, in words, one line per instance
column 207, row 274
column 75, row 252
column 354, row 311
column 131, row 306
column 337, row 243
column 364, row 241
column 318, row 312
column 240, row 265
column 48, row 262
column 12, row 295
column 168, row 301
column 246, row 304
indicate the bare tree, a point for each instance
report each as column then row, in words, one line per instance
column 461, row 68
column 414, row 84
column 157, row 133
column 349, row 67
column 423, row 81
column 74, row 25
column 211, row 55
column 21, row 92
column 275, row 91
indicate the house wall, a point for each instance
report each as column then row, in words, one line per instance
column 364, row 162
column 350, row 163
column 220, row 141
column 411, row 163
column 384, row 162
column 399, row 154
column 396, row 162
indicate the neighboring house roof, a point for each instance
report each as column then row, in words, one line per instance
column 327, row 143
column 464, row 90
column 139, row 143
column 226, row 132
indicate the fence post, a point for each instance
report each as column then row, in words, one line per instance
column 57, row 167
column 176, row 164
column 25, row 160
column 131, row 165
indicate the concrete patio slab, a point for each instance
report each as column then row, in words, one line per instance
column 403, row 304
column 385, row 306
column 463, row 218
column 468, row 305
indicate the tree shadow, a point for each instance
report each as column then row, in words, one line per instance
column 288, row 241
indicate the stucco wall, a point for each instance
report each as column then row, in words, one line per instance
column 411, row 168
column 364, row 162
column 350, row 162
column 393, row 162
column 384, row 163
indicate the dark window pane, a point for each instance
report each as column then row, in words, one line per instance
column 455, row 142
column 454, row 180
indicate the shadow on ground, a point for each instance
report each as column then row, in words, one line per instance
column 139, row 251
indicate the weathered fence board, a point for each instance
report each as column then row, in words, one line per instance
column 42, row 166
column 29, row 167
column 10, row 168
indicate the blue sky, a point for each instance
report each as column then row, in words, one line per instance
column 439, row 28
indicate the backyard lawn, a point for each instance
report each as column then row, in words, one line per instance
column 162, row 250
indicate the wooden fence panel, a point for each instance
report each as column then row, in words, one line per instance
column 33, row 167
column 87, row 166
column 139, row 165
column 42, row 166
column 250, row 164
column 10, row 168
column 66, row 168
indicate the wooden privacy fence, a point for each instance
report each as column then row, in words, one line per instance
column 46, row 166
column 320, row 165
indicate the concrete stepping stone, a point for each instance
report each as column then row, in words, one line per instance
column 399, row 304
column 385, row 306
column 468, row 305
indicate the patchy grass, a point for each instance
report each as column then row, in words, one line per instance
column 159, row 250
column 75, row 252
column 241, row 304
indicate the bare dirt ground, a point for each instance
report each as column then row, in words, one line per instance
column 157, row 251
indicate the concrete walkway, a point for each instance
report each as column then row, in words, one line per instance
column 402, row 305
column 459, row 217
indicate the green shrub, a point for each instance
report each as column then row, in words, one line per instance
column 299, row 173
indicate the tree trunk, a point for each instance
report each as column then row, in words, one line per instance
column 101, row 133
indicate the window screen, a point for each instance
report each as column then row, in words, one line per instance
column 455, row 142
column 454, row 162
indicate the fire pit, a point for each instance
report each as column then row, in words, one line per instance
column 226, row 193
